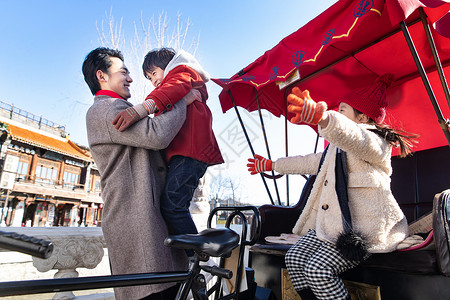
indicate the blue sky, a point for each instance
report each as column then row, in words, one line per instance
column 43, row 44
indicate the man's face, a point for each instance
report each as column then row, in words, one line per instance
column 155, row 76
column 117, row 79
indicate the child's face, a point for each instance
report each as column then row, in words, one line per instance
column 350, row 113
column 155, row 76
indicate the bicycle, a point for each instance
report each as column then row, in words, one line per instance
column 211, row 242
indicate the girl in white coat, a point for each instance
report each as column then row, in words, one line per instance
column 351, row 211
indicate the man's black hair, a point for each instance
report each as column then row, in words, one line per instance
column 98, row 59
column 157, row 58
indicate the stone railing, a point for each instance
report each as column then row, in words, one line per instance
column 83, row 247
column 74, row 247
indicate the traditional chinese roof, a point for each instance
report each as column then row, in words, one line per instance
column 59, row 145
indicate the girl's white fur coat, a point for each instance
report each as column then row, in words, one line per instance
column 374, row 210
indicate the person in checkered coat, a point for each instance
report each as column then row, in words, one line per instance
column 350, row 211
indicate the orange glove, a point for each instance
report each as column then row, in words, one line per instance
column 305, row 109
column 259, row 164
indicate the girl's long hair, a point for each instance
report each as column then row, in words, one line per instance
column 396, row 137
column 403, row 139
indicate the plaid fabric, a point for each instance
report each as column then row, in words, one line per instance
column 316, row 264
column 150, row 105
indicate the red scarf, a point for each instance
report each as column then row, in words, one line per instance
column 109, row 93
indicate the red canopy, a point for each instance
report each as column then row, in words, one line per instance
column 348, row 46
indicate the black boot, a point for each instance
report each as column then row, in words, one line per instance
column 307, row 294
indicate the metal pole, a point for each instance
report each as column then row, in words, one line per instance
column 435, row 54
column 286, row 143
column 249, row 143
column 267, row 144
column 442, row 122
column 37, row 286
column 317, row 143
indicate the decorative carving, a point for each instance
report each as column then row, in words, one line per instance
column 357, row 290
column 199, row 203
column 362, row 291
column 287, row 289
column 71, row 253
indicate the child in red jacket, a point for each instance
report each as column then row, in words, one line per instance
column 195, row 147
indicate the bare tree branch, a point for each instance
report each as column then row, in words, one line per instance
column 147, row 35
column 225, row 189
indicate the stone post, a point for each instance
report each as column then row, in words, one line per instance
column 200, row 207
column 74, row 247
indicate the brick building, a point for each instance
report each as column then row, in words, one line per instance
column 46, row 179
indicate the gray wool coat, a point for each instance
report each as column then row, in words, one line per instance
column 132, row 173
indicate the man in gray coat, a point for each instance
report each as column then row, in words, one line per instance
column 132, row 175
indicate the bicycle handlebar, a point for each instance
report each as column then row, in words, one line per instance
column 26, row 244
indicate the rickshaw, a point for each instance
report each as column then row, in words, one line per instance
column 344, row 48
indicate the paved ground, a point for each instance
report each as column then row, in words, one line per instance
column 105, row 294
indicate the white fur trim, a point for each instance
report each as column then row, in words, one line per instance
column 183, row 58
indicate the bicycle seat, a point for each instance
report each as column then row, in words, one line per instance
column 213, row 241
